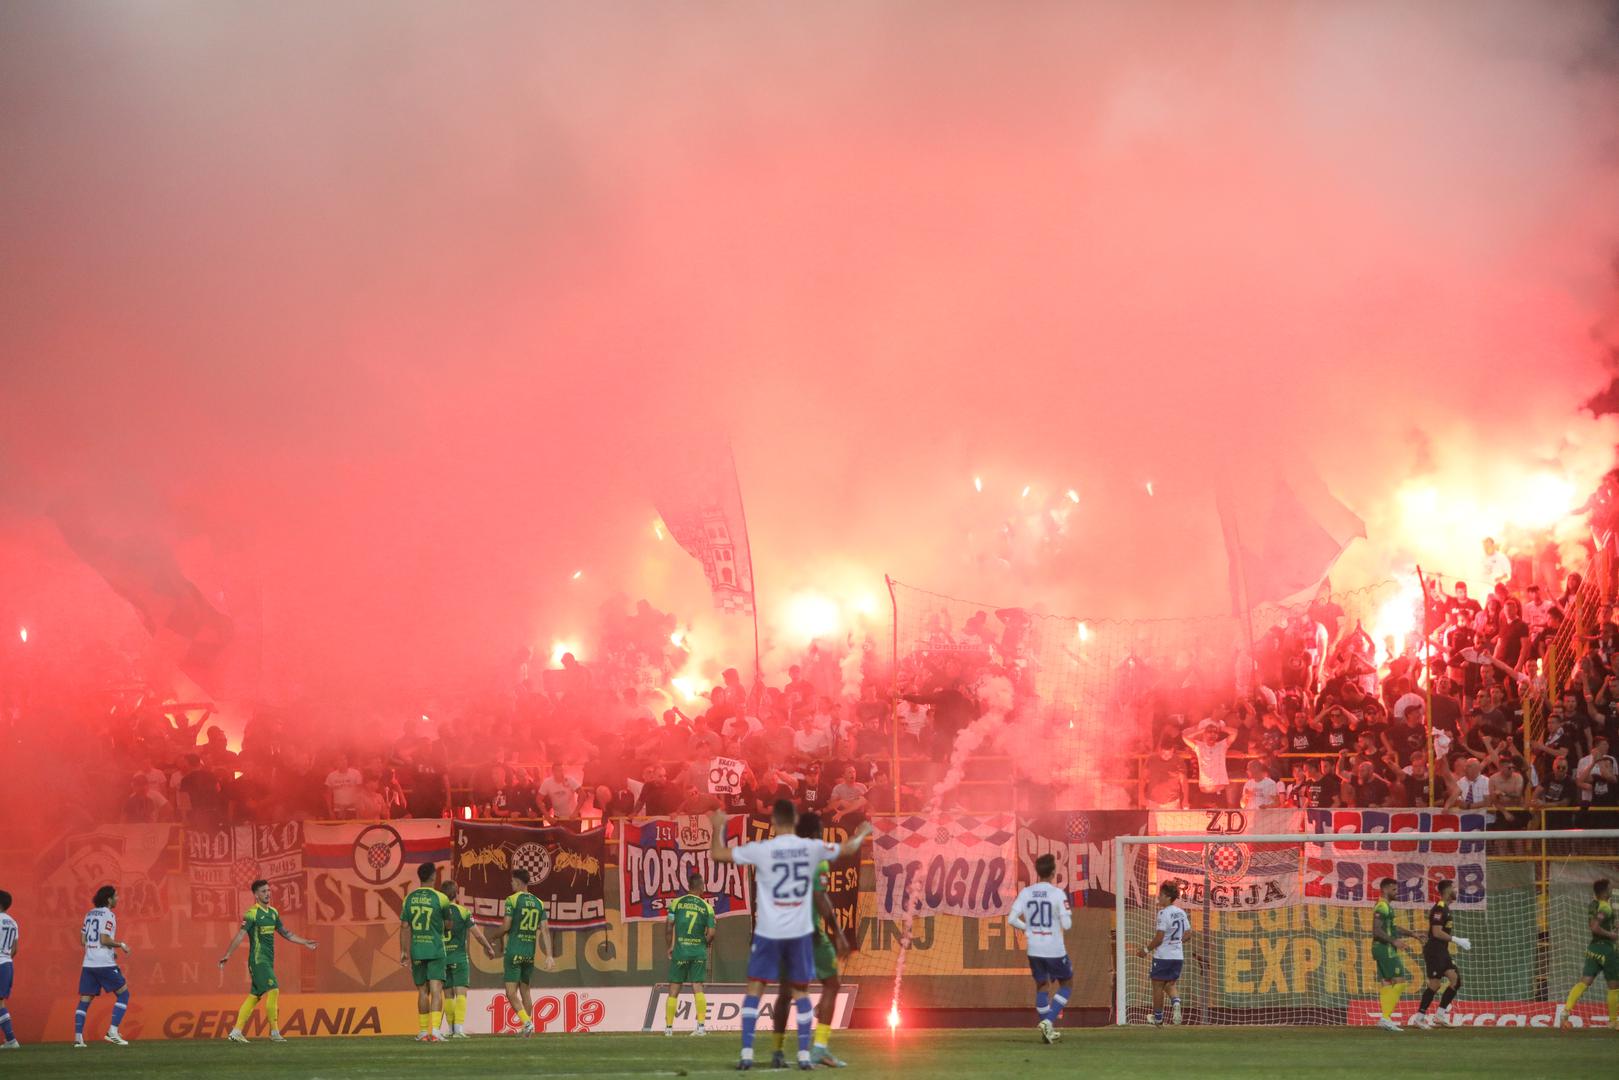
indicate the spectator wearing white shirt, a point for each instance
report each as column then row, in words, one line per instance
column 1497, row 568
column 1472, row 788
column 1259, row 792
column 1586, row 774
column 1537, row 612
column 343, row 786
column 562, row 793
column 1209, row 742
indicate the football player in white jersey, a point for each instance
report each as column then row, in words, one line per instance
column 784, row 931
column 100, row 971
column 1168, row 952
column 1042, row 912
column 8, row 952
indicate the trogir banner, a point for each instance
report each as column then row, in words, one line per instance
column 960, row 864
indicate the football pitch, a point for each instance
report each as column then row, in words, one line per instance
column 991, row 1054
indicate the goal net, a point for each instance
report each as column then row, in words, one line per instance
column 1281, row 925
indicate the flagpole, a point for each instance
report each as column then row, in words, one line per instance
column 1427, row 679
column 753, row 576
column 1228, row 523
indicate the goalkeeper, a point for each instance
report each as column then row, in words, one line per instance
column 1437, row 961
column 1600, row 956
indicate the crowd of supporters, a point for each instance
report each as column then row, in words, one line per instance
column 1464, row 719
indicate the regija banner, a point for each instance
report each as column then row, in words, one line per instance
column 1229, row 873
column 566, row 870
column 655, row 857
column 360, row 873
column 956, row 864
column 1348, row 871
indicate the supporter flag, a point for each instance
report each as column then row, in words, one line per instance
column 1283, row 531
column 700, row 502
column 144, row 571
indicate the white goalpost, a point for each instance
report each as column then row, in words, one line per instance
column 1282, row 923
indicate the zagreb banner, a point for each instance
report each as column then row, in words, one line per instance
column 1348, row 871
column 360, row 872
column 655, row 857
column 1231, row 872
column 566, row 870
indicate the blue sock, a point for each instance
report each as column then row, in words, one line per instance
column 1059, row 1002
column 78, row 1019
column 750, row 1021
column 806, row 1019
column 1042, row 1002
column 119, row 1005
column 5, row 1025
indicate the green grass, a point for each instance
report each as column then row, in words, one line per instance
column 1204, row 1053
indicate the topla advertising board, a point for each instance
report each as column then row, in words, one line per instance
column 572, row 1011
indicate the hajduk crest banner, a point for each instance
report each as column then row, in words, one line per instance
column 1230, row 873
column 566, row 870
column 956, row 864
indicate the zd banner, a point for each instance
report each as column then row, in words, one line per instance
column 566, row 870
column 1230, row 873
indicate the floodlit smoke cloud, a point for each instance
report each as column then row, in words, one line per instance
column 397, row 303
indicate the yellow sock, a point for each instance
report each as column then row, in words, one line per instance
column 461, row 1010
column 1613, row 1006
column 272, row 1008
column 1573, row 996
column 700, row 999
column 522, row 1017
column 245, row 1011
column 669, row 1011
column 823, row 1034
column 781, row 1041
column 435, row 1020
column 421, row 1023
column 1390, row 996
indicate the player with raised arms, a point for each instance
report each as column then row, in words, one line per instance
column 421, row 949
column 1386, row 937
column 691, row 933
column 457, row 966
column 100, row 971
column 260, row 924
column 524, row 931
column 1042, row 912
column 1601, row 958
column 829, row 945
column 1168, row 952
column 784, row 934
column 8, row 954
column 1436, row 959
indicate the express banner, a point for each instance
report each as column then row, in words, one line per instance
column 360, row 873
column 655, row 857
column 960, row 864
column 1082, row 844
column 1348, row 871
column 1230, row 872
column 223, row 862
column 566, row 869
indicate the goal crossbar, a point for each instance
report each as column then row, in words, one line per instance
column 1122, row 843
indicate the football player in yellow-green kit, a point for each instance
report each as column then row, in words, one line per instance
column 1601, row 956
column 691, row 932
column 1386, row 953
column 259, row 926
column 524, row 931
column 421, row 948
column 458, row 925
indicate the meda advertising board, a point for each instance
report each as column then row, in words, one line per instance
column 620, row 1008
